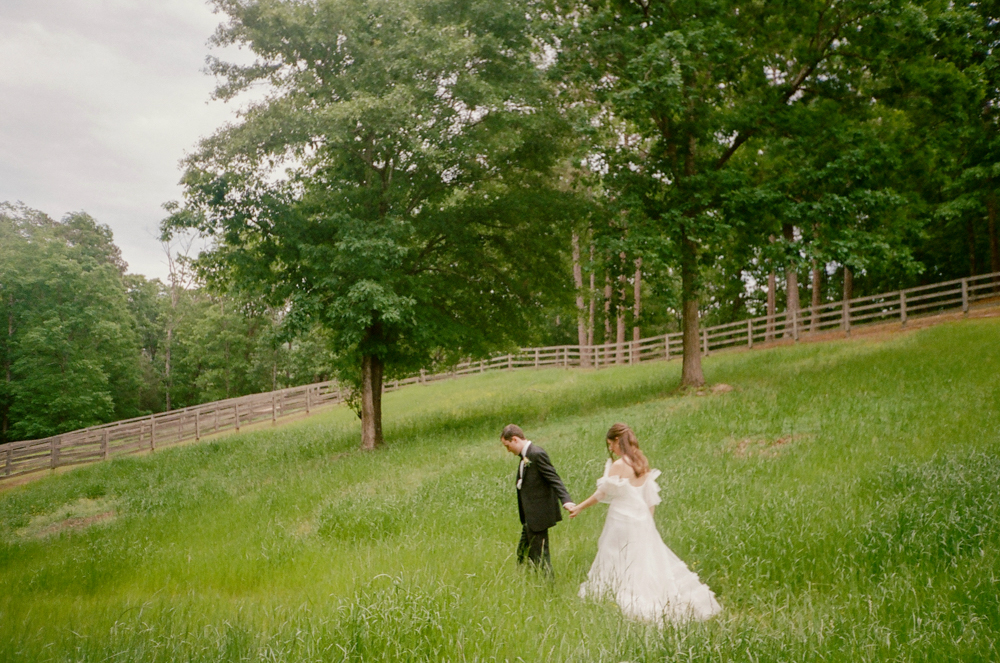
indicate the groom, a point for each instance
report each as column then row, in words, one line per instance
column 540, row 491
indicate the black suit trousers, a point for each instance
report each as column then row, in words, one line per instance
column 534, row 546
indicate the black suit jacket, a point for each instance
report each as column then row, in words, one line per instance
column 542, row 493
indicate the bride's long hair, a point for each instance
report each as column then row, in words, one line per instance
column 629, row 446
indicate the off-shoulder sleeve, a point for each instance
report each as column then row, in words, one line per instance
column 605, row 487
column 651, row 489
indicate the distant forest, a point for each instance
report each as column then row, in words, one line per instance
column 85, row 342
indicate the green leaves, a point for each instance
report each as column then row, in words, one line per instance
column 68, row 349
column 414, row 213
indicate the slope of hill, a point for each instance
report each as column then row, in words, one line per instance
column 841, row 500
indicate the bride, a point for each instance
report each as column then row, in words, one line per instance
column 647, row 579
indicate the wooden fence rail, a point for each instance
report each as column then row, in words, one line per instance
column 148, row 433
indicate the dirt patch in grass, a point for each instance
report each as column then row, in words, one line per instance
column 74, row 524
column 763, row 447
column 713, row 390
column 76, row 516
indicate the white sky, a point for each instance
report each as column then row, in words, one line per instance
column 99, row 100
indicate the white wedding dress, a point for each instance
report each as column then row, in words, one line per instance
column 648, row 581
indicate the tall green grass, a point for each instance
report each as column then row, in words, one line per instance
column 842, row 502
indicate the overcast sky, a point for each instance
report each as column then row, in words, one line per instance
column 99, row 100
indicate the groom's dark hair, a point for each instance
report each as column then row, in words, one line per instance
column 510, row 431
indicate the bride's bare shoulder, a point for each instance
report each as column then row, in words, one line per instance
column 620, row 468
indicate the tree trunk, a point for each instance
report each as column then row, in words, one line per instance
column 5, row 425
column 637, row 299
column 581, row 312
column 371, row 402
column 792, row 305
column 225, row 346
column 817, row 285
column 620, row 328
column 174, row 296
column 991, row 209
column 620, row 336
column 166, row 364
column 971, row 234
column 772, row 285
column 593, row 302
column 274, row 371
column 691, row 373
column 607, row 307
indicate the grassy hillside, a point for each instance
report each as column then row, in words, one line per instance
column 842, row 501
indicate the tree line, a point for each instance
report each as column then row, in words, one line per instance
column 433, row 180
column 436, row 178
column 84, row 342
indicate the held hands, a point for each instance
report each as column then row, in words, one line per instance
column 575, row 509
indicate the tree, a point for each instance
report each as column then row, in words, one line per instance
column 826, row 194
column 70, row 353
column 415, row 220
column 960, row 178
column 698, row 82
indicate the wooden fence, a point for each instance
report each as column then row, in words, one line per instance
column 148, row 433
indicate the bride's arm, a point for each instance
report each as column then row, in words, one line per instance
column 587, row 503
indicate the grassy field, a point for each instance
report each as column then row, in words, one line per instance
column 842, row 501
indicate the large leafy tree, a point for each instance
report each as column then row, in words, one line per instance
column 957, row 174
column 698, row 82
column 69, row 348
column 393, row 185
column 827, row 194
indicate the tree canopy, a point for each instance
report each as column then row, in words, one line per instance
column 394, row 183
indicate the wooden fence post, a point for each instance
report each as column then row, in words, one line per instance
column 795, row 325
column 237, row 408
column 9, row 468
column 704, row 338
column 965, row 296
column 274, row 408
column 423, row 376
column 666, row 345
column 847, row 317
column 105, row 452
column 197, row 424
column 510, row 362
column 750, row 334
column 902, row 308
column 536, row 357
column 152, row 433
column 309, row 392
column 215, row 424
